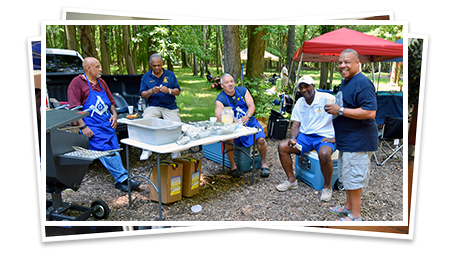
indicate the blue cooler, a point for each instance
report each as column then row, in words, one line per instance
column 243, row 162
column 308, row 170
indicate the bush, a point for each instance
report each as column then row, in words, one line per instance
column 263, row 101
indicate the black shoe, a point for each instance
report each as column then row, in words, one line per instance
column 265, row 172
column 235, row 173
column 124, row 185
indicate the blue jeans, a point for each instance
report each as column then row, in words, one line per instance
column 115, row 167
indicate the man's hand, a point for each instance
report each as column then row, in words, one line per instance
column 331, row 140
column 155, row 90
column 332, row 109
column 87, row 132
column 291, row 142
column 113, row 121
column 164, row 89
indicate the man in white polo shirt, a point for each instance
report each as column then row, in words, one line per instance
column 311, row 129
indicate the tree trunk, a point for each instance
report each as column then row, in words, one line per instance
column 184, row 59
column 323, row 75
column 86, row 36
column 126, row 49
column 105, row 63
column 217, row 40
column 195, row 65
column 71, row 37
column 255, row 53
column 290, row 52
column 232, row 50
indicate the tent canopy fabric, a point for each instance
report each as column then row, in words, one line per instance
column 327, row 47
column 267, row 55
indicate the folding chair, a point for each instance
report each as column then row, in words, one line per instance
column 390, row 140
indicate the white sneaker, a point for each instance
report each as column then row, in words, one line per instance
column 175, row 155
column 326, row 194
column 145, row 155
column 287, row 185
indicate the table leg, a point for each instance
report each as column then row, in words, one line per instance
column 223, row 157
column 159, row 188
column 128, row 176
column 253, row 159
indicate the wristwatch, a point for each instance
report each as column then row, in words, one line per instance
column 169, row 90
column 341, row 111
column 249, row 116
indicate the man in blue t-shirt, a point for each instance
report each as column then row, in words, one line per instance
column 356, row 132
column 243, row 106
column 159, row 86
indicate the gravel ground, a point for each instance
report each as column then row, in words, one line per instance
column 224, row 198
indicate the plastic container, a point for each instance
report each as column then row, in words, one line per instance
column 154, row 131
column 228, row 115
column 308, row 170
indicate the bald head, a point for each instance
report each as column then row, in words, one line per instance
column 92, row 68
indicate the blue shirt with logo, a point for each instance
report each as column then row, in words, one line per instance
column 165, row 100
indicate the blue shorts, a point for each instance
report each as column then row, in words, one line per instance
column 312, row 141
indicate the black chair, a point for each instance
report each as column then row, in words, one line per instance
column 390, row 140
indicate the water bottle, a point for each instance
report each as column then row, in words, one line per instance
column 141, row 104
column 227, row 115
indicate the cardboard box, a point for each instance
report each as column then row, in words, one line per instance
column 191, row 175
column 171, row 182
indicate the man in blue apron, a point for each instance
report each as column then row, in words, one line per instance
column 92, row 92
column 243, row 106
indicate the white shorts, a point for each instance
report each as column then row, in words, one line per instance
column 164, row 113
column 354, row 168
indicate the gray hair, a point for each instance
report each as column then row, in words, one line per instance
column 352, row 52
column 226, row 74
column 155, row 56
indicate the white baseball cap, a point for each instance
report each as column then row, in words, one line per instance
column 306, row 79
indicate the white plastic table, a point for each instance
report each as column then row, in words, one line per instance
column 173, row 147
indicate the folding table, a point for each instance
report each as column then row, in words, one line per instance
column 174, row 147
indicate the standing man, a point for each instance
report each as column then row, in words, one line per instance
column 92, row 92
column 312, row 128
column 243, row 106
column 284, row 76
column 159, row 86
column 356, row 132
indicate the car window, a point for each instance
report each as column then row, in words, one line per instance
column 63, row 64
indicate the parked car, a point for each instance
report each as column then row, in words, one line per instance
column 63, row 61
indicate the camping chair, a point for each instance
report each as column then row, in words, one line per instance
column 390, row 140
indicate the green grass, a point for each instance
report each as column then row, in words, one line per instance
column 197, row 99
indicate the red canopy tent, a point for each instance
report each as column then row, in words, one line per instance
column 327, row 47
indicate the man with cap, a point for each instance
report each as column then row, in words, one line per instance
column 311, row 129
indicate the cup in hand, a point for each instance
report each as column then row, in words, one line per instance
column 329, row 101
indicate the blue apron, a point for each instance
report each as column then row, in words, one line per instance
column 99, row 105
column 240, row 110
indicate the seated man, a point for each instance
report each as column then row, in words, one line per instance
column 92, row 92
column 160, row 87
column 311, row 129
column 243, row 106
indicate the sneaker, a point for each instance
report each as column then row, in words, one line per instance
column 145, row 154
column 287, row 185
column 326, row 194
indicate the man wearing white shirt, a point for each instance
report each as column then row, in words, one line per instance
column 311, row 129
